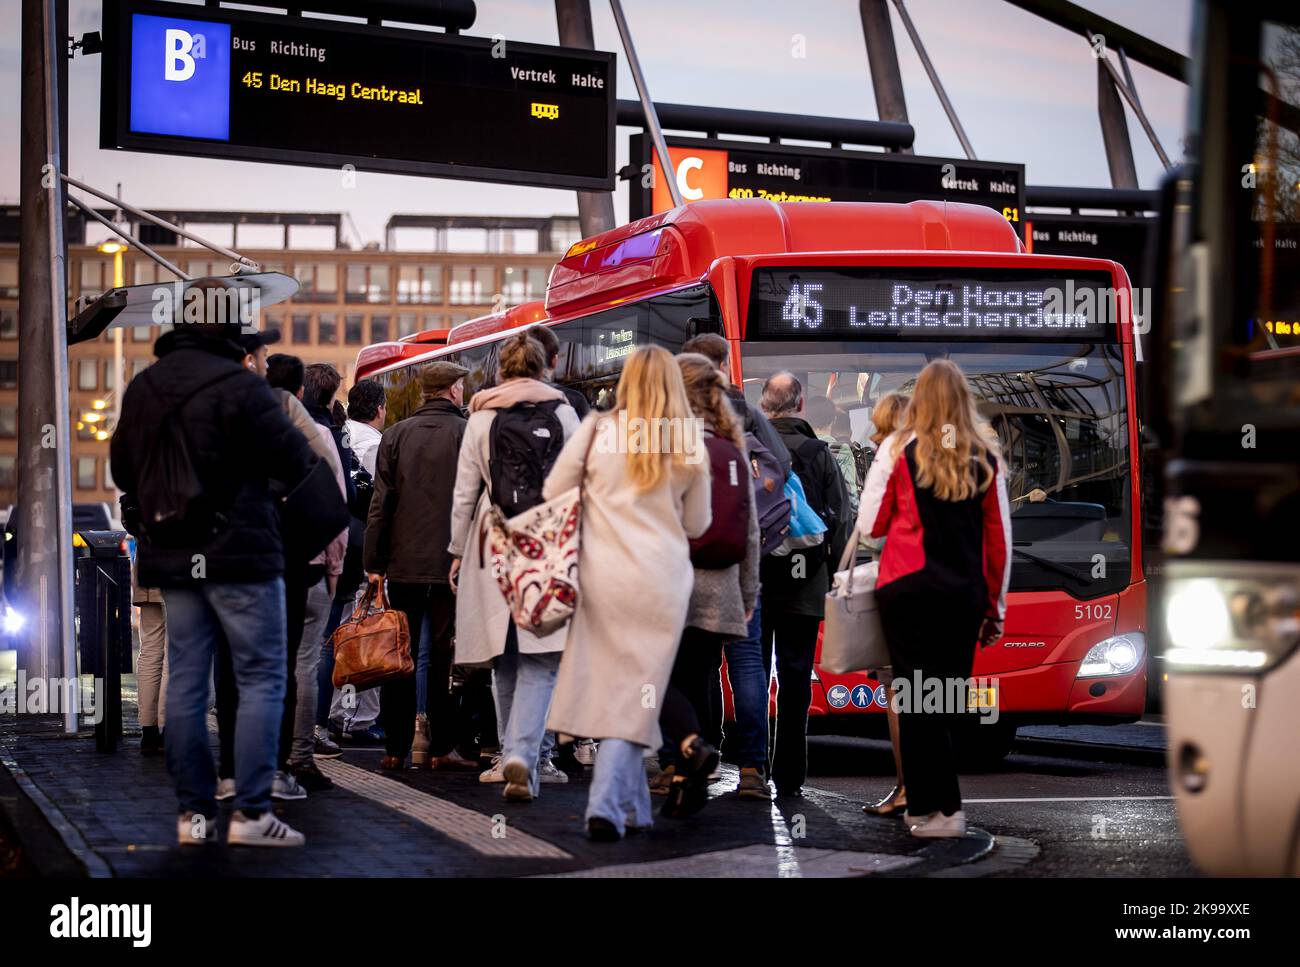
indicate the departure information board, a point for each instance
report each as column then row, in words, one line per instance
column 1118, row 238
column 894, row 303
column 198, row 80
column 785, row 173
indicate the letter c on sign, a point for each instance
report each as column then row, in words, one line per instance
column 689, row 164
column 178, row 64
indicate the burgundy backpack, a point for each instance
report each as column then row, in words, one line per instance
column 724, row 543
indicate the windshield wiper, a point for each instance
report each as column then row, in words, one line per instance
column 1068, row 572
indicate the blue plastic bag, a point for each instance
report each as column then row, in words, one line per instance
column 807, row 529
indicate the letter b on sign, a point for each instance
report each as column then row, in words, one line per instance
column 179, row 65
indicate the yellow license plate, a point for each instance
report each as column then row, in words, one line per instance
column 981, row 698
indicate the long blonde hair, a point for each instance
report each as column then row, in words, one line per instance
column 888, row 415
column 707, row 395
column 956, row 449
column 651, row 390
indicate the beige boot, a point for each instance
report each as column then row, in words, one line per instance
column 420, row 746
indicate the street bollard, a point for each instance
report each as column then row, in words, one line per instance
column 103, row 623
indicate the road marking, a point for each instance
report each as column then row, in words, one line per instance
column 757, row 860
column 465, row 826
column 1076, row 799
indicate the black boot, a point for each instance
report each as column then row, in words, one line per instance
column 151, row 741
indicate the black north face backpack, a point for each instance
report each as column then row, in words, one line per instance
column 523, row 444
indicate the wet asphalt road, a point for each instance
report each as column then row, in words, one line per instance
column 1092, row 815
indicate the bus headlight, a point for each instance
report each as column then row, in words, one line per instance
column 1246, row 620
column 12, row 621
column 1114, row 656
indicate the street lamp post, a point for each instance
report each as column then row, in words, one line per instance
column 118, row 251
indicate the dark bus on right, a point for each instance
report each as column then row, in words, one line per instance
column 1225, row 363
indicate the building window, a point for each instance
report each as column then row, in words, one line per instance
column 146, row 271
column 87, row 374
column 92, row 276
column 327, row 329
column 86, row 476
column 469, row 283
column 301, row 325
column 406, row 323
column 138, row 366
column 8, row 278
column 7, row 476
column 523, row 283
column 275, row 322
column 368, row 283
column 8, row 422
column 108, row 476
column 110, row 375
column 142, row 334
column 354, row 328
column 419, row 283
column 201, row 268
column 8, row 323
column 319, row 282
column 379, row 329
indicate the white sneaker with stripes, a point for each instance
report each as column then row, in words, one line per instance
column 266, row 830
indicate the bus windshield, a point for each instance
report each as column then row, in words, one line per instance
column 1061, row 414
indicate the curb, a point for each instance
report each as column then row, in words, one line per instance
column 52, row 844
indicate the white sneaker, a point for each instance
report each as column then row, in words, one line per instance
column 225, row 790
column 517, row 787
column 494, row 772
column 939, row 826
column 547, row 771
column 285, row 787
column 266, row 830
column 195, row 829
column 585, row 752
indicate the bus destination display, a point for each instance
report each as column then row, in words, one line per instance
column 852, row 304
column 202, row 80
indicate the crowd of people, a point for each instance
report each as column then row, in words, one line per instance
column 265, row 512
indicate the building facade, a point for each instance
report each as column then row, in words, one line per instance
column 348, row 299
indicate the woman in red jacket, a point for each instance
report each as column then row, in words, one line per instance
column 937, row 492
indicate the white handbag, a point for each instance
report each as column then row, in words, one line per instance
column 852, row 637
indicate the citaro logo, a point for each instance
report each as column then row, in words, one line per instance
column 548, row 111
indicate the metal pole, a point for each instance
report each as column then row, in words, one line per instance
column 44, row 509
column 1114, row 130
column 934, row 79
column 882, row 60
column 150, row 217
column 130, row 239
column 1126, row 87
column 647, row 105
column 573, row 20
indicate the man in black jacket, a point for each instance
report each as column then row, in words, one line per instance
column 795, row 585
column 407, row 535
column 223, row 575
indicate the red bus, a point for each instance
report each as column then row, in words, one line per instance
column 855, row 298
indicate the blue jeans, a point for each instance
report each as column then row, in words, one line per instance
column 252, row 618
column 619, row 790
column 325, row 670
column 524, row 683
column 750, row 684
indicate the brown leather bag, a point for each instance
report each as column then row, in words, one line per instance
column 372, row 647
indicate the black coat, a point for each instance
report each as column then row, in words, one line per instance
column 240, row 441
column 409, row 526
column 806, row 594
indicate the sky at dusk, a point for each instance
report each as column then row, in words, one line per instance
column 1025, row 90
